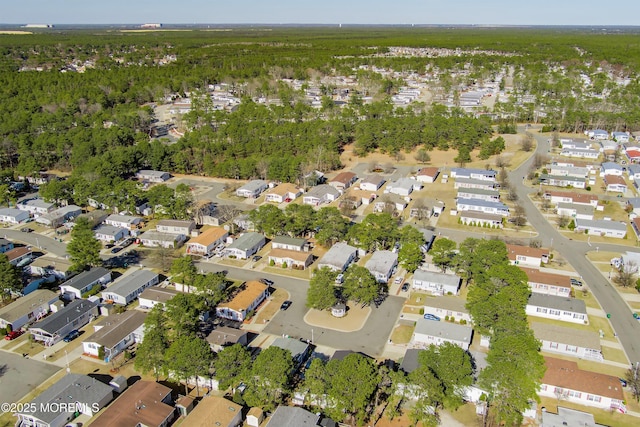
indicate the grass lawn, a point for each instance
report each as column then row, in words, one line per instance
column 466, row 415
column 595, row 325
column 417, row 298
column 412, row 310
column 612, row 210
column 270, row 309
column 601, row 416
column 587, row 297
column 402, row 334
column 30, row 348
column 614, row 354
column 602, row 256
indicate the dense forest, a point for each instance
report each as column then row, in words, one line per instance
column 97, row 123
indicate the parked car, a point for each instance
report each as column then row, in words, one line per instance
column 398, row 280
column 71, row 336
column 266, row 281
column 256, row 258
column 405, row 287
column 13, row 335
column 26, row 230
column 285, row 305
column 127, row 242
column 339, row 279
column 575, row 282
column 116, row 250
column 431, row 317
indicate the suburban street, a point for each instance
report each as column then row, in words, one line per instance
column 37, row 241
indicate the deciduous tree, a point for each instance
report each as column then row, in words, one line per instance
column 232, row 366
column 322, row 293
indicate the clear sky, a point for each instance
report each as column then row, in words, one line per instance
column 500, row 12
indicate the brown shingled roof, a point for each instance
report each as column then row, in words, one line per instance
column 242, row 300
column 537, row 276
column 566, row 374
column 209, row 236
column 513, row 250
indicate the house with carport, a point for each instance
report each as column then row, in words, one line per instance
column 343, row 180
column 372, row 183
column 545, row 283
column 56, row 326
column 84, row 282
column 245, row 246
column 127, row 288
column 428, row 332
column 448, row 306
column 205, row 243
column 568, row 341
column 338, row 257
column 382, row 265
column 248, row 299
column 285, row 192
column 29, row 308
column 436, row 283
column 565, row 309
column 13, row 216
column 527, row 256
column 115, row 333
column 252, row 189
column 110, row 233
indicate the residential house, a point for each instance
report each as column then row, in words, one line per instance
column 59, row 216
column 474, row 183
column 38, row 178
column 632, row 154
column 602, row 228
column 548, row 283
column 245, row 246
column 114, row 334
column 558, row 308
column 19, row 256
column 568, row 171
column 299, row 350
column 109, row 233
column 621, row 137
column 48, row 265
column 478, row 193
column 556, row 197
column 428, row 174
column 296, row 260
column 285, row 192
column 410, row 361
column 5, row 245
column 568, row 417
column 155, row 295
column 633, row 171
column 372, row 183
column 215, row 411
column 13, row 216
column 568, row 341
column 481, row 219
column 563, row 181
column 145, row 403
column 354, row 198
column 485, row 206
column 447, row 306
column 338, row 257
column 615, row 183
column 289, row 243
column 320, row 194
column 403, row 187
column 62, row 402
column 29, row 308
column 208, row 213
column 633, row 203
column 243, row 302
column 84, row 282
column 343, row 180
column 130, row 222
column 128, row 287
column 609, row 148
column 252, row 189
column 610, row 168
column 587, row 153
column 527, row 256
column 207, row 241
column 598, row 134
column 174, row 226
column 35, row 207
column 635, row 225
column 255, row 416
column 94, row 218
column 574, row 210
column 564, row 380
column 429, row 332
column 243, row 222
column 153, row 176
column 56, row 326
column 469, row 173
column 155, row 239
column 390, row 202
column 223, row 336
column 382, row 265
column 436, row 283
column 292, row 416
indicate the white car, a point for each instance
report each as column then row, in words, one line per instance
column 398, row 280
column 340, row 278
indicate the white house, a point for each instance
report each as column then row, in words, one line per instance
column 485, row 206
column 174, row 226
column 597, row 133
column 566, row 416
column 109, row 233
column 243, row 302
column 343, row 180
column 128, row 287
column 572, row 171
column 469, row 173
column 13, row 216
column 154, row 239
column 633, row 171
column 35, row 207
column 252, row 189
column 620, row 137
column 474, row 183
column 338, row 257
column 129, row 222
column 541, row 282
column 564, row 380
column 59, row 216
column 404, row 186
column 84, row 282
column 114, row 334
column 602, row 228
column 447, row 306
column 207, row 241
column 155, row 295
column 615, row 183
column 436, row 283
column 558, row 308
column 285, row 192
column 382, row 264
column 297, row 260
column 48, row 265
column 527, row 256
column 429, row 332
column 568, row 341
column 556, row 197
column 153, row 176
column 563, row 181
column 587, row 153
column 428, row 174
column 245, row 246
column 610, row 168
column 320, row 194
column 372, row 183
column 29, row 308
column 387, row 201
column 289, row 243
column 481, row 219
column 53, row 328
column 573, row 210
column 478, row 193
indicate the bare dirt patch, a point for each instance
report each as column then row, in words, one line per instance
column 352, row 322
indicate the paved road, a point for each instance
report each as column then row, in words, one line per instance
column 36, row 240
column 370, row 340
column 627, row 328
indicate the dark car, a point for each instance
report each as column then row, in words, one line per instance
column 26, row 230
column 285, row 305
column 266, row 281
column 71, row 336
column 116, row 250
column 575, row 282
column 13, row 335
column 431, row 317
column 257, row 258
column 405, row 287
column 127, row 242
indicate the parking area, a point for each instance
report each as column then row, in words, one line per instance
column 20, row 375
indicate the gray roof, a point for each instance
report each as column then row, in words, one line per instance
column 24, row 305
column 159, row 236
column 38, row 203
column 483, row 203
column 152, row 173
column 558, row 303
column 247, row 241
column 600, row 223
column 410, row 360
column 562, row 334
column 435, row 277
column 286, row 240
column 445, row 330
column 117, row 327
column 480, row 182
column 382, row 262
column 611, row 165
column 447, row 303
column 225, row 335
column 634, row 201
column 404, row 183
column 338, row 254
column 483, row 191
column 293, row 417
column 156, row 293
column 567, row 417
column 58, row 320
column 373, row 179
column 481, row 215
column 579, row 208
column 175, row 223
column 131, row 282
column 86, row 278
column 5, row 242
column 12, row 212
column 319, row 191
column 296, row 347
column 469, row 171
column 633, row 168
column 109, row 230
column 577, row 151
column 129, row 219
column 70, row 389
column 254, row 185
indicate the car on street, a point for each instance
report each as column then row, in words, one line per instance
column 266, row 281
column 285, row 305
column 116, row 250
column 405, row 287
column 398, row 280
column 431, row 317
column 13, row 335
column 339, row 279
column 26, row 230
column 71, row 336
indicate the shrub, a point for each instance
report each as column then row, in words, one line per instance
column 446, row 318
column 272, row 263
column 572, row 225
column 3, row 331
column 463, row 321
column 284, row 264
column 588, row 188
column 421, row 311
